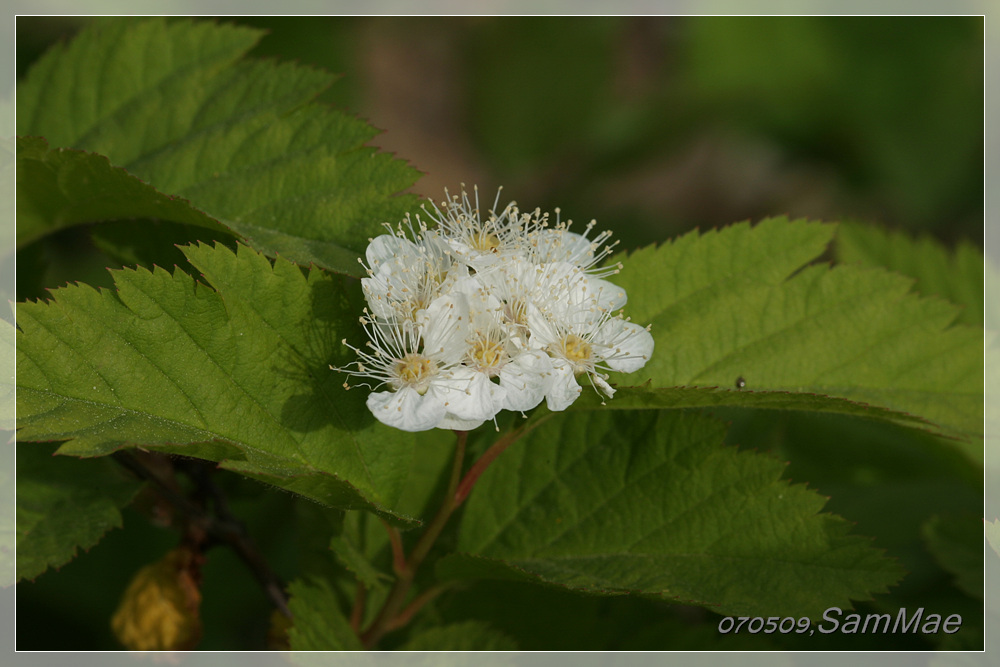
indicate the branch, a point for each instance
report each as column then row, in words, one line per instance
column 223, row 527
column 397, row 596
column 483, row 462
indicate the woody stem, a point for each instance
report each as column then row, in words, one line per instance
column 405, row 573
column 222, row 526
column 479, row 467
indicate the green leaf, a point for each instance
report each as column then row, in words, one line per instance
column 64, row 505
column 172, row 103
column 137, row 64
column 953, row 275
column 956, row 541
column 659, row 277
column 647, row 397
column 672, row 633
column 239, row 374
column 467, row 636
column 650, row 503
column 352, row 558
column 546, row 618
column 360, row 542
column 158, row 245
column 737, row 303
column 319, row 623
column 59, row 188
column 886, row 480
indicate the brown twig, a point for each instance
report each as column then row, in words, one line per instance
column 358, row 610
column 393, row 615
column 396, row 541
column 222, row 527
column 404, row 616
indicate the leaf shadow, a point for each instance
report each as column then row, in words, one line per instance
column 335, row 307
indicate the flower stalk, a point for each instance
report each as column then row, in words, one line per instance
column 388, row 615
column 464, row 488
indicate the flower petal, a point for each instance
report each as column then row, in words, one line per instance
column 384, row 249
column 560, row 245
column 564, row 388
column 406, row 409
column 608, row 295
column 453, row 423
column 446, row 327
column 471, row 395
column 527, row 378
column 602, row 384
column 627, row 346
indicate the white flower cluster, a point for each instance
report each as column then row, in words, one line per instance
column 473, row 315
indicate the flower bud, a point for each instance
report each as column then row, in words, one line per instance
column 159, row 609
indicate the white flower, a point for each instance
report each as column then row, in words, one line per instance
column 558, row 244
column 496, row 350
column 527, row 378
column 418, row 363
column 487, row 313
column 580, row 344
column 558, row 287
column 405, row 276
column 478, row 241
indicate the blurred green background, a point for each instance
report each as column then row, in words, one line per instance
column 653, row 126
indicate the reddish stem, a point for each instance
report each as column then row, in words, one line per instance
column 405, row 574
column 358, row 610
column 404, row 616
column 393, row 615
column 484, row 461
column 396, row 540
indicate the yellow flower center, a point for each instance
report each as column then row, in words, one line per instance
column 426, row 288
column 485, row 241
column 516, row 312
column 577, row 351
column 487, row 354
column 414, row 370
column 409, row 309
